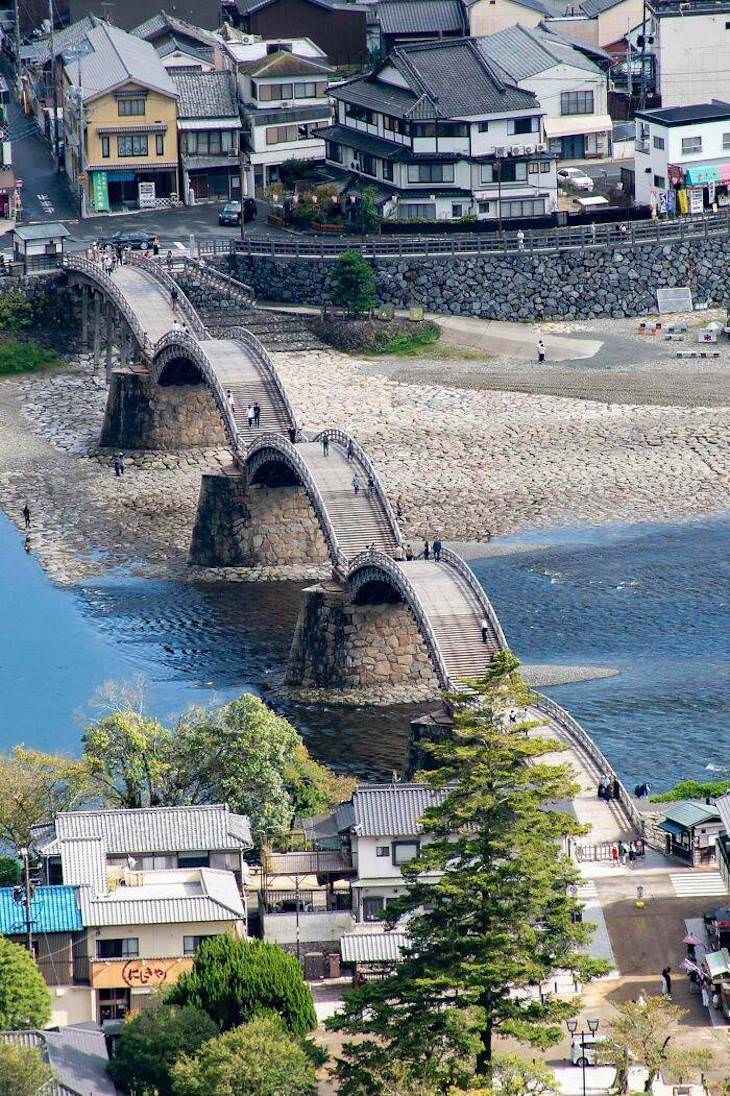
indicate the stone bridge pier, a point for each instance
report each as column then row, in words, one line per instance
column 175, row 413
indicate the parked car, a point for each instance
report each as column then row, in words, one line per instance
column 231, row 212
column 583, row 1049
column 134, row 239
column 573, row 176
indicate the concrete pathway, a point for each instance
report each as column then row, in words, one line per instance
column 501, row 338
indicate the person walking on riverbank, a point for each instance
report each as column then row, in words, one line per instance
column 26, row 515
column 540, row 351
column 485, row 629
column 118, row 465
column 356, row 483
column 325, row 446
column 667, row 982
column 437, row 550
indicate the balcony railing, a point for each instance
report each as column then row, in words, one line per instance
column 306, row 901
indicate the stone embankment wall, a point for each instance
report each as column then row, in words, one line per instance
column 143, row 415
column 241, row 526
column 575, row 284
column 338, row 644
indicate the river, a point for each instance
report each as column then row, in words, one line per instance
column 652, row 601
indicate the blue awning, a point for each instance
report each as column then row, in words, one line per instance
column 121, row 176
column 702, row 173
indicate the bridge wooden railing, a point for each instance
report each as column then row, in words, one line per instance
column 187, row 310
column 346, row 440
column 95, row 272
column 166, row 347
column 455, row 561
column 261, row 356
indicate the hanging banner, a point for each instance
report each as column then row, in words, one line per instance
column 100, row 191
column 696, row 199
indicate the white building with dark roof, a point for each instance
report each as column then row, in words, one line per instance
column 441, row 133
column 570, row 87
column 682, row 157
column 209, row 130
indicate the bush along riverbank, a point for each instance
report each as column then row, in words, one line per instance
column 25, row 357
column 374, row 336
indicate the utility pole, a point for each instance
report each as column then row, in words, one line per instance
column 16, row 28
column 27, row 896
column 642, row 74
column 54, row 91
column 241, row 181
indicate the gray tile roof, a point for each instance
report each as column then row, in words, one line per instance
column 64, row 39
column 568, row 40
column 372, row 947
column 171, row 901
column 150, row 829
column 723, row 809
column 83, row 860
column 375, row 94
column 523, row 52
column 421, row 16
column 163, row 22
column 391, row 810
column 459, row 79
column 592, row 8
column 47, row 231
column 205, row 95
column 114, row 58
column 77, row 1056
column 542, row 6
column 196, row 53
column 364, row 142
column 690, row 813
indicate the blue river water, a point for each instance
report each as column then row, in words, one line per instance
column 651, row 601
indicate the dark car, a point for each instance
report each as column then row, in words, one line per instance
column 231, row 212
column 136, row 240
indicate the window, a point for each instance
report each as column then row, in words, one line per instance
column 282, row 91
column 279, row 135
column 192, row 943
column 660, row 182
column 382, row 850
column 533, row 168
column 205, row 144
column 417, row 211
column 658, row 142
column 193, row 860
column 388, row 170
column 576, row 102
column 453, row 129
column 523, row 125
column 359, row 114
column 372, row 908
column 725, row 141
column 105, row 147
column 483, row 127
column 691, row 144
column 534, row 207
column 508, row 171
column 423, row 129
column 457, row 210
column 430, row 173
column 136, row 145
column 545, row 167
column 405, row 851
column 307, row 90
column 130, row 107
column 160, row 144
column 367, row 164
column 334, row 151
column 484, row 207
column 124, row 948
column 153, row 862
column 395, row 125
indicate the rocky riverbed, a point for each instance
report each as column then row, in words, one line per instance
column 465, row 462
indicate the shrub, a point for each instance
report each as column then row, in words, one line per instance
column 22, row 1070
column 25, row 1001
column 16, row 311
column 152, row 1041
column 354, row 283
column 25, row 357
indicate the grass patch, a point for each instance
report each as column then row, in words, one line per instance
column 25, row 357
column 403, row 342
column 694, row 789
column 439, row 352
column 365, row 335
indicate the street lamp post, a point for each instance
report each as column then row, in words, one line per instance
column 572, row 1026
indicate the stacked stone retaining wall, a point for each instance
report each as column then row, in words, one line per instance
column 570, row 284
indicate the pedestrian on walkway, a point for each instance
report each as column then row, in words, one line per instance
column 356, row 483
column 667, row 982
column 119, row 464
column 156, row 246
column 437, row 550
column 409, row 551
column 485, row 629
column 325, row 446
column 26, row 515
column 293, row 435
column 614, row 856
column 615, row 789
column 641, row 791
column 350, row 450
column 168, row 262
column 520, row 240
column 250, row 416
column 398, row 552
column 399, row 508
column 632, row 854
column 540, row 351
column 256, row 414
column 512, row 716
column 371, row 486
column 230, row 401
column 426, row 550
column 173, row 299
column 704, row 993
column 623, row 851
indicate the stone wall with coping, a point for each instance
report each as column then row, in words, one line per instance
column 143, row 415
column 571, row 284
column 339, row 644
column 238, row 525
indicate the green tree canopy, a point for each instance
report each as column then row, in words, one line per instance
column 152, row 1041
column 259, row 1058
column 644, row 1034
column 33, row 787
column 10, row 871
column 235, row 980
column 25, row 1001
column 489, row 908
column 22, row 1070
column 353, row 283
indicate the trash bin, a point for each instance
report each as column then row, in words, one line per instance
column 334, row 966
column 314, row 966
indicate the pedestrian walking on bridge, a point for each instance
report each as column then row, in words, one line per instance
column 173, row 299
column 250, row 415
column 256, row 414
column 356, row 483
column 426, row 550
column 325, row 446
column 485, row 629
column 230, row 401
column 437, row 550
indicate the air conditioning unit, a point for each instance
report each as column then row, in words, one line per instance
column 247, row 39
column 529, row 149
column 501, row 151
column 517, row 150
column 541, row 148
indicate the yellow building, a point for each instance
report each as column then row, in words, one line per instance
column 120, row 121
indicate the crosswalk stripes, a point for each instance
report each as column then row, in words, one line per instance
column 691, row 884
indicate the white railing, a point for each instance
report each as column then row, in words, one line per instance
column 345, row 440
column 453, row 560
column 111, row 290
column 261, row 357
column 187, row 309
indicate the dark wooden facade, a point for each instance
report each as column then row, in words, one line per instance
column 339, row 30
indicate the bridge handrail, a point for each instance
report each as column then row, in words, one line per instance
column 216, row 276
column 261, row 356
column 580, row 737
column 344, row 439
column 111, row 289
column 289, row 451
column 187, row 309
column 455, row 561
column 197, row 353
column 380, row 561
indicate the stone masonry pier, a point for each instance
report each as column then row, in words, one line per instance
column 141, row 414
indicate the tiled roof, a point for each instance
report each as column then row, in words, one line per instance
column 523, row 52
column 174, row 901
column 163, row 22
column 420, row 16
column 205, row 95
column 690, row 813
column 592, row 8
column 285, row 63
column 364, row 142
column 723, row 809
column 151, row 829
column 196, row 53
column 114, row 58
column 376, row 94
column 64, row 39
column 247, row 7
column 77, row 1056
column 459, row 79
column 372, row 947
column 83, row 860
column 52, row 909
column 391, row 810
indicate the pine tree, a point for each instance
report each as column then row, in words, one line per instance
column 490, row 913
column 354, row 284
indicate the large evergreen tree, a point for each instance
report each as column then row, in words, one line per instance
column 152, row 1041
column 25, row 1001
column 498, row 920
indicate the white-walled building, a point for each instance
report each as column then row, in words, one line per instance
column 570, row 88
column 682, row 157
column 282, row 94
column 598, row 23
column 691, row 50
column 442, row 133
column 489, row 16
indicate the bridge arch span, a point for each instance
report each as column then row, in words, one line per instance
column 179, row 359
